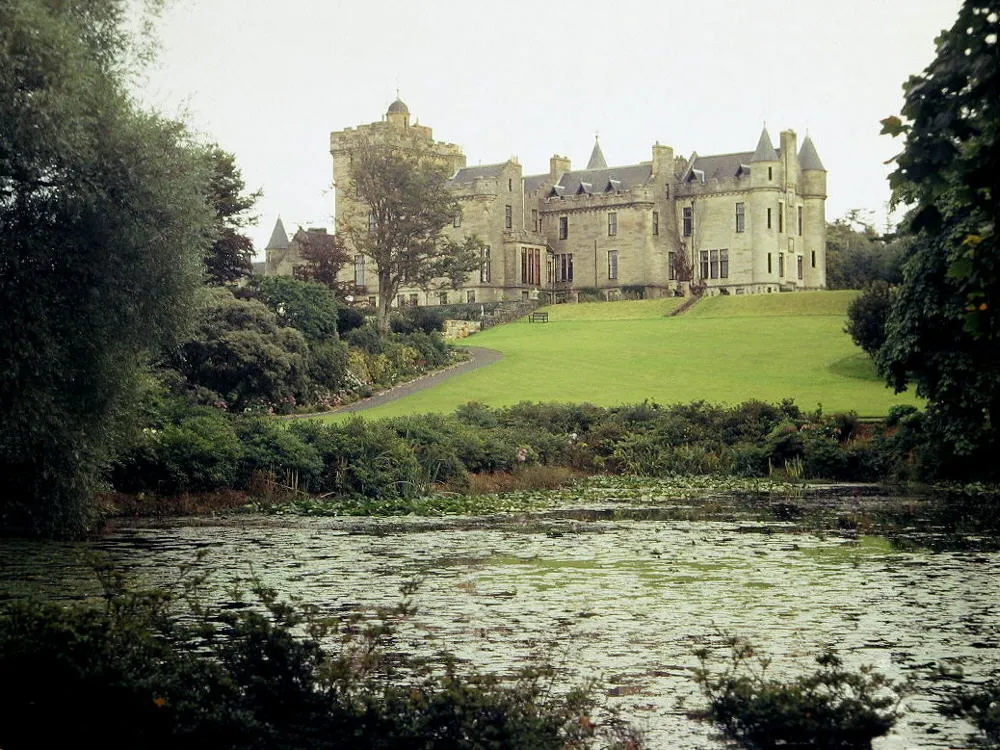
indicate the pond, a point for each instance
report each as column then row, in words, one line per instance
column 620, row 581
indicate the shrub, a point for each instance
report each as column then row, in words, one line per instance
column 348, row 319
column 830, row 708
column 980, row 706
column 327, row 364
column 867, row 315
column 271, row 449
column 418, row 319
column 253, row 678
column 366, row 459
column 199, row 452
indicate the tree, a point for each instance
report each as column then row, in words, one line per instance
column 401, row 205
column 867, row 315
column 323, row 256
column 241, row 353
column 305, row 305
column 103, row 229
column 231, row 256
column 943, row 333
column 856, row 255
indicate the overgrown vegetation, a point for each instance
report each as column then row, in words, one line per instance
column 175, row 674
column 390, row 466
column 831, row 708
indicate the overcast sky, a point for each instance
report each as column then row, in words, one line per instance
column 270, row 80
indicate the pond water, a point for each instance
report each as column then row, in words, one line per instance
column 621, row 584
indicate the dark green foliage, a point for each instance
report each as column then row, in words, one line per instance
column 241, row 353
column 199, row 451
column 253, row 678
column 231, row 256
column 944, row 327
column 327, row 364
column 307, row 306
column 364, row 459
column 268, row 447
column 856, row 256
column 830, row 708
column 366, row 338
column 980, row 706
column 412, row 319
column 867, row 316
column 349, row 318
column 103, row 230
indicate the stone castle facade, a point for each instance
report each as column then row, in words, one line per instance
column 743, row 223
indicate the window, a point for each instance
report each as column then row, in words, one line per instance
column 443, row 298
column 798, row 266
column 484, row 266
column 688, row 220
column 800, row 221
column 359, row 270
column 534, row 220
column 781, row 216
column 656, row 223
column 612, row 224
column 371, row 221
column 612, row 264
column 372, row 301
column 401, row 300
column 457, row 220
column 508, row 217
column 704, row 264
column 413, row 299
column 723, row 264
column 510, row 185
column 563, row 227
column 770, row 173
column 768, row 218
column 666, row 191
column 813, row 259
column 781, row 265
column 531, row 265
column 671, row 266
column 714, row 264
column 769, row 269
column 525, row 295
column 564, row 267
column 470, row 296
column 740, row 216
column 548, row 268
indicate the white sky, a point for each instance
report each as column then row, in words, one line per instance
column 270, row 80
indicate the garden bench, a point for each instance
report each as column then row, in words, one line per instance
column 538, row 317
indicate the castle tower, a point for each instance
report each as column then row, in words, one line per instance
column 276, row 250
column 765, row 205
column 597, row 160
column 812, row 188
column 398, row 114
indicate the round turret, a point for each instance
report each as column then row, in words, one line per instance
column 398, row 114
column 398, row 107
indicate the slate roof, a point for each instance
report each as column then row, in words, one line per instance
column 279, row 238
column 468, row 174
column 318, row 238
column 808, row 158
column 598, row 180
column 597, row 160
column 722, row 166
column 534, row 181
column 765, row 150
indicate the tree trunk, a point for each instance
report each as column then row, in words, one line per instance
column 385, row 295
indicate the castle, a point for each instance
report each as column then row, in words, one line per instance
column 743, row 223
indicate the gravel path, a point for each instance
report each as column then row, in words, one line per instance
column 479, row 357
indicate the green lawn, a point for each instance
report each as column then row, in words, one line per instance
column 723, row 350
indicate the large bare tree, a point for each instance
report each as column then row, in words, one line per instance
column 395, row 214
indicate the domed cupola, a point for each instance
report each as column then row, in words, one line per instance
column 398, row 113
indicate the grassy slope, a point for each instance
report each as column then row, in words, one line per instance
column 724, row 350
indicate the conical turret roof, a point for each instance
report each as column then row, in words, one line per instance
column 808, row 158
column 765, row 150
column 279, row 238
column 597, row 157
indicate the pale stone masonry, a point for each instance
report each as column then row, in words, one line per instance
column 748, row 223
